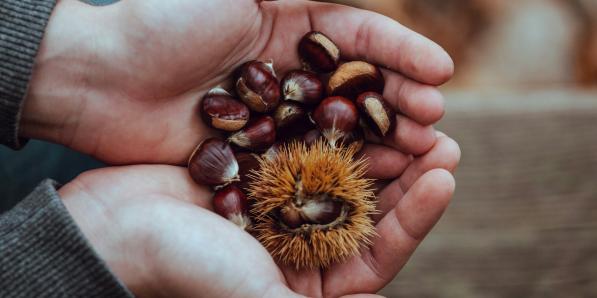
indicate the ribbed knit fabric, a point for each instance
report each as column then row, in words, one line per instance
column 22, row 24
column 44, row 254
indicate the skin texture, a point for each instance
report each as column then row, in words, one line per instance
column 127, row 92
column 131, row 95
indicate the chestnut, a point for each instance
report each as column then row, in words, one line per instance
column 291, row 119
column 246, row 163
column 318, row 52
column 213, row 163
column 354, row 138
column 312, row 136
column 221, row 111
column 312, row 211
column 231, row 203
column 302, row 86
column 258, row 135
column 273, row 151
column 258, row 86
column 380, row 116
column 354, row 78
column 335, row 116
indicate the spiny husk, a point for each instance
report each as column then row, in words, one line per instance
column 322, row 169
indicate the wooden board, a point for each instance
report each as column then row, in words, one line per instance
column 523, row 222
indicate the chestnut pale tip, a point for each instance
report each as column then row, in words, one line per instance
column 218, row 90
column 241, row 220
column 231, row 172
column 293, row 91
column 270, row 64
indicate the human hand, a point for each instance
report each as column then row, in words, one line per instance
column 122, row 82
column 151, row 226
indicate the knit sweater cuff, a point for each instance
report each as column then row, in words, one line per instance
column 22, row 25
column 45, row 254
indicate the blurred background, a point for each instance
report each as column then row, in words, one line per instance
column 523, row 106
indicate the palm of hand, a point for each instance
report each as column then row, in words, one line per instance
column 163, row 240
column 154, row 73
column 142, row 85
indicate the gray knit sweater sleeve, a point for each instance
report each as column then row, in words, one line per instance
column 22, row 24
column 42, row 251
column 44, row 254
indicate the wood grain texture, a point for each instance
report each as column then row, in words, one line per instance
column 523, row 222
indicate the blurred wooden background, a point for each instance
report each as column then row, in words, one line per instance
column 523, row 107
column 523, row 222
column 513, row 43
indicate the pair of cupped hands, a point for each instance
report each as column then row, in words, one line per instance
column 122, row 83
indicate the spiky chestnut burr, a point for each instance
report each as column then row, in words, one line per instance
column 312, row 205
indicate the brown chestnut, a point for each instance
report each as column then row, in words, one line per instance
column 213, row 163
column 222, row 111
column 354, row 138
column 273, row 151
column 258, row 86
column 302, row 86
column 291, row 119
column 354, row 78
column 312, row 136
column 336, row 116
column 312, row 211
column 318, row 52
column 231, row 203
column 258, row 135
column 246, row 163
column 380, row 116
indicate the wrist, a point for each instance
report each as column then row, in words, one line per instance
column 109, row 235
column 60, row 80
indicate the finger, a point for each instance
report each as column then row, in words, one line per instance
column 169, row 180
column 445, row 154
column 410, row 137
column 304, row 282
column 362, row 296
column 400, row 232
column 365, row 35
column 380, row 185
column 384, row 162
column 422, row 103
column 389, row 196
column 139, row 180
column 387, row 199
